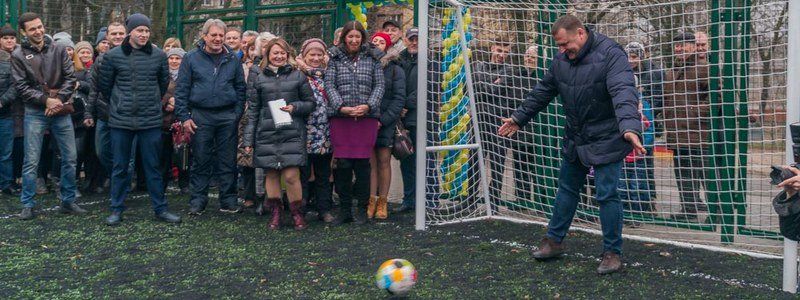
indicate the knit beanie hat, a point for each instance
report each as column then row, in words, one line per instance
column 101, row 35
column 176, row 51
column 64, row 39
column 314, row 43
column 7, row 30
column 136, row 20
column 83, row 45
column 635, row 48
column 385, row 37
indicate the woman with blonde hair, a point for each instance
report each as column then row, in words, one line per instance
column 313, row 60
column 171, row 43
column 278, row 145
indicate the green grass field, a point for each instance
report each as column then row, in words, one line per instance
column 234, row 257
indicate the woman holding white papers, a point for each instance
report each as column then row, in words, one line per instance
column 279, row 100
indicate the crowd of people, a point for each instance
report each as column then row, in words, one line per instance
column 239, row 111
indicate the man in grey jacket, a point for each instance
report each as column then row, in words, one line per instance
column 43, row 77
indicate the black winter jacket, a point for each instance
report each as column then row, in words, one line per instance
column 8, row 93
column 56, row 71
column 81, row 97
column 277, row 147
column 204, row 84
column 408, row 62
column 96, row 103
column 394, row 98
column 599, row 97
column 135, row 80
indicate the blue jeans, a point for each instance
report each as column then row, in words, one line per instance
column 64, row 135
column 571, row 181
column 102, row 145
column 214, row 144
column 6, row 147
column 149, row 144
column 633, row 187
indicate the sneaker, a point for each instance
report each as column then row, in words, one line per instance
column 71, row 208
column 114, row 219
column 403, row 209
column 195, row 211
column 78, row 194
column 168, row 217
column 231, row 210
column 26, row 214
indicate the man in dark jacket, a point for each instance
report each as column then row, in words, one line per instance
column 596, row 85
column 44, row 78
column 8, row 42
column 96, row 113
column 498, row 86
column 134, row 77
column 209, row 100
column 408, row 61
column 8, row 95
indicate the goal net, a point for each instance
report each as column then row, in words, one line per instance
column 712, row 81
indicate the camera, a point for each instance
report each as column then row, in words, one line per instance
column 780, row 174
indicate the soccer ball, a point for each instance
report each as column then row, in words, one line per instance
column 396, row 276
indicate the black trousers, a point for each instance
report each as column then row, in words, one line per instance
column 320, row 188
column 348, row 190
column 689, row 166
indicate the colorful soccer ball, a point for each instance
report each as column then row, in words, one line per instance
column 396, row 276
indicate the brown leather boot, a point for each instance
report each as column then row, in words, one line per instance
column 548, row 249
column 611, row 263
column 296, row 208
column 276, row 206
column 381, row 211
column 373, row 201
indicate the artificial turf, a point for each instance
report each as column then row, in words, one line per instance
column 222, row 256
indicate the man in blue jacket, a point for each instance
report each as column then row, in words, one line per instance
column 209, row 100
column 134, row 77
column 592, row 76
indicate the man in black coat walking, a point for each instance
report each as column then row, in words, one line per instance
column 596, row 84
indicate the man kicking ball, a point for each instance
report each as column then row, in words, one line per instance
column 596, row 84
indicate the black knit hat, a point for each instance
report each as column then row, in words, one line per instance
column 136, row 20
column 7, row 30
column 684, row 37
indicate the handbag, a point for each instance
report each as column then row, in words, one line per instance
column 403, row 146
column 181, row 141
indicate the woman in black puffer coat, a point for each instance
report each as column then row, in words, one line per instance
column 394, row 98
column 84, row 136
column 280, row 150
